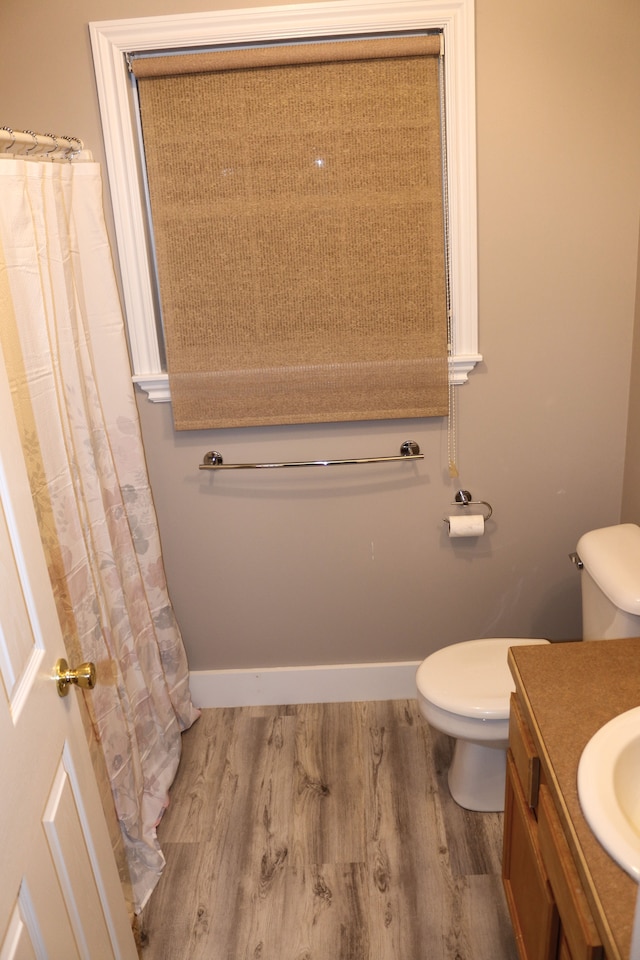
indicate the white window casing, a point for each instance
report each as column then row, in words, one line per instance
column 113, row 40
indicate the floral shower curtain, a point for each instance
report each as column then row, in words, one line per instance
column 62, row 334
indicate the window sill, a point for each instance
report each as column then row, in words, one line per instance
column 156, row 386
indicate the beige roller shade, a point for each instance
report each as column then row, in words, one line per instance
column 297, row 205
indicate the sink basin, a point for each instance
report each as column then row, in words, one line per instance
column 609, row 789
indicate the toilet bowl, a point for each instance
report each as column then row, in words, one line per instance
column 464, row 691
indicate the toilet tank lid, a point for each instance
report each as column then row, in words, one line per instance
column 611, row 556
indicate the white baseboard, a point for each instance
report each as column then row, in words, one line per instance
column 330, row 683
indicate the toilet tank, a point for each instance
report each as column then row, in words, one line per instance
column 610, row 581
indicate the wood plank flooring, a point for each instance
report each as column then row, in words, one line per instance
column 324, row 832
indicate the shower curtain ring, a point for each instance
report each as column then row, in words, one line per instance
column 75, row 146
column 13, row 138
column 56, row 145
column 35, row 142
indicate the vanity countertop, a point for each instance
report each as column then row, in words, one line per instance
column 569, row 690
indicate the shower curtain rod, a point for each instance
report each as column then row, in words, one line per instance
column 43, row 146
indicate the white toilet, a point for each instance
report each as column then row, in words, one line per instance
column 464, row 689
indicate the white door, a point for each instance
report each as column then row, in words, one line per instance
column 60, row 896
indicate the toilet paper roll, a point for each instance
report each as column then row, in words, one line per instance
column 471, row 525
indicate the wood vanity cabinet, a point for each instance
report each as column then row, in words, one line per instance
column 549, row 910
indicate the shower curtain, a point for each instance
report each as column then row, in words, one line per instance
column 62, row 334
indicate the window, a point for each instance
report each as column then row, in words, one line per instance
column 113, row 43
column 299, row 231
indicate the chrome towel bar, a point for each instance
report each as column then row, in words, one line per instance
column 213, row 460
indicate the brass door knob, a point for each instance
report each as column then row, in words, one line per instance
column 84, row 676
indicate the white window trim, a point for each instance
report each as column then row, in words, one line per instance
column 112, row 40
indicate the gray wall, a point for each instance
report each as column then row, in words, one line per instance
column 631, row 489
column 308, row 567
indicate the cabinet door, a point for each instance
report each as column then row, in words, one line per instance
column 531, row 905
column 578, row 928
column 524, row 752
column 563, row 950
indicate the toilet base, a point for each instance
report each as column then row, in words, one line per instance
column 477, row 776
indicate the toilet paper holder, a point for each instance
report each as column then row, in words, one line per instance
column 464, row 499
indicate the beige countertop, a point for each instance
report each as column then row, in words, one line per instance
column 569, row 690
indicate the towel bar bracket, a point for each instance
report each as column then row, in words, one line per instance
column 409, row 449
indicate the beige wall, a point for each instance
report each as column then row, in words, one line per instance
column 353, row 564
column 631, row 488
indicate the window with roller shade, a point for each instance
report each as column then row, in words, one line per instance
column 300, row 240
column 116, row 44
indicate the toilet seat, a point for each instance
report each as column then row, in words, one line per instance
column 472, row 678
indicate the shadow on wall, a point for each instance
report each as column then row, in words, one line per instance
column 563, row 598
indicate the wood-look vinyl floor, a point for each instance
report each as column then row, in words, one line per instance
column 324, row 832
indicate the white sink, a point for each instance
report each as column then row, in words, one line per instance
column 609, row 789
